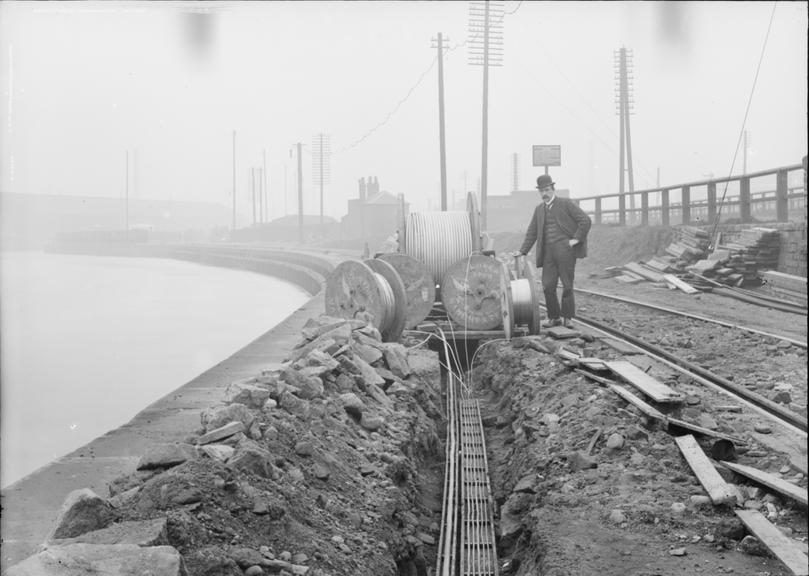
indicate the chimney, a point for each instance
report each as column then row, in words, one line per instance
column 362, row 189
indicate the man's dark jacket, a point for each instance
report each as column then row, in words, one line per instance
column 572, row 220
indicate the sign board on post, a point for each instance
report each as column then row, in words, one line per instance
column 547, row 155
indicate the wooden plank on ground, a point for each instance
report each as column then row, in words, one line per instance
column 560, row 332
column 718, row 490
column 644, row 272
column 626, row 395
column 650, row 386
column 629, row 279
column 778, row 543
column 770, row 481
column 637, row 402
column 684, row 286
column 704, row 431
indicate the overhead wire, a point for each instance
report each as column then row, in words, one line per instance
column 744, row 123
column 399, row 104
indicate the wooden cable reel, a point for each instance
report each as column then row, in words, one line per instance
column 419, row 286
column 371, row 290
column 472, row 292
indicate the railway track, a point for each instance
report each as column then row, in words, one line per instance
column 737, row 360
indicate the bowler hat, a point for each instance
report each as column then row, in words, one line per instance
column 544, row 180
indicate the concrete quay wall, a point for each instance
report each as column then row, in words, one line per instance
column 30, row 505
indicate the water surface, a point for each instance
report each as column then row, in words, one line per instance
column 89, row 341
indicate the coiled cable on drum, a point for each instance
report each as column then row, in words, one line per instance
column 387, row 302
column 438, row 239
column 522, row 301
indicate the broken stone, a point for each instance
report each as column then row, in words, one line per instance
column 219, row 452
column 140, row 533
column 308, row 387
column 753, row 546
column 617, row 517
column 526, row 484
column 82, row 511
column 371, row 423
column 352, row 404
column 166, row 455
column 396, row 359
column 220, row 433
column 81, row 559
column 294, row 405
column 581, row 461
column 249, row 394
column 762, row 428
column 218, row 416
column 615, row 441
column 677, row 552
column 251, row 457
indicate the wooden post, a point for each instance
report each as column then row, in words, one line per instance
column 664, row 207
column 644, row 208
column 598, row 211
column 781, row 199
column 744, row 199
column 711, row 201
column 686, row 201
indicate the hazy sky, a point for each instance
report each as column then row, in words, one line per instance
column 83, row 82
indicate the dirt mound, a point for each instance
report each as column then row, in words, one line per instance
column 586, row 484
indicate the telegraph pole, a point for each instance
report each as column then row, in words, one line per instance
column 264, row 185
column 744, row 156
column 300, row 196
column 624, row 88
column 486, row 18
column 253, row 192
column 441, row 142
column 233, row 225
column 515, row 172
column 126, row 200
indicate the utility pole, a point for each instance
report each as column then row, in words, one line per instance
column 321, row 145
column 442, row 147
column 253, row 193
column 515, row 172
column 623, row 62
column 233, row 225
column 744, row 156
column 264, row 185
column 126, row 200
column 300, row 196
column 486, row 18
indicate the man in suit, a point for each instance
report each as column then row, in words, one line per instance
column 559, row 228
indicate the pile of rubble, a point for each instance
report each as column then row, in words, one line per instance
column 308, row 468
column 587, row 482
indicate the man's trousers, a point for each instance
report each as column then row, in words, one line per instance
column 559, row 264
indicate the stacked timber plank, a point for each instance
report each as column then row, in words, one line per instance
column 754, row 251
column 785, row 286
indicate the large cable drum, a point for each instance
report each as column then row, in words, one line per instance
column 438, row 239
column 472, row 291
column 371, row 291
column 418, row 284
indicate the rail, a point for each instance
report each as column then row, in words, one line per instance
column 701, row 201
